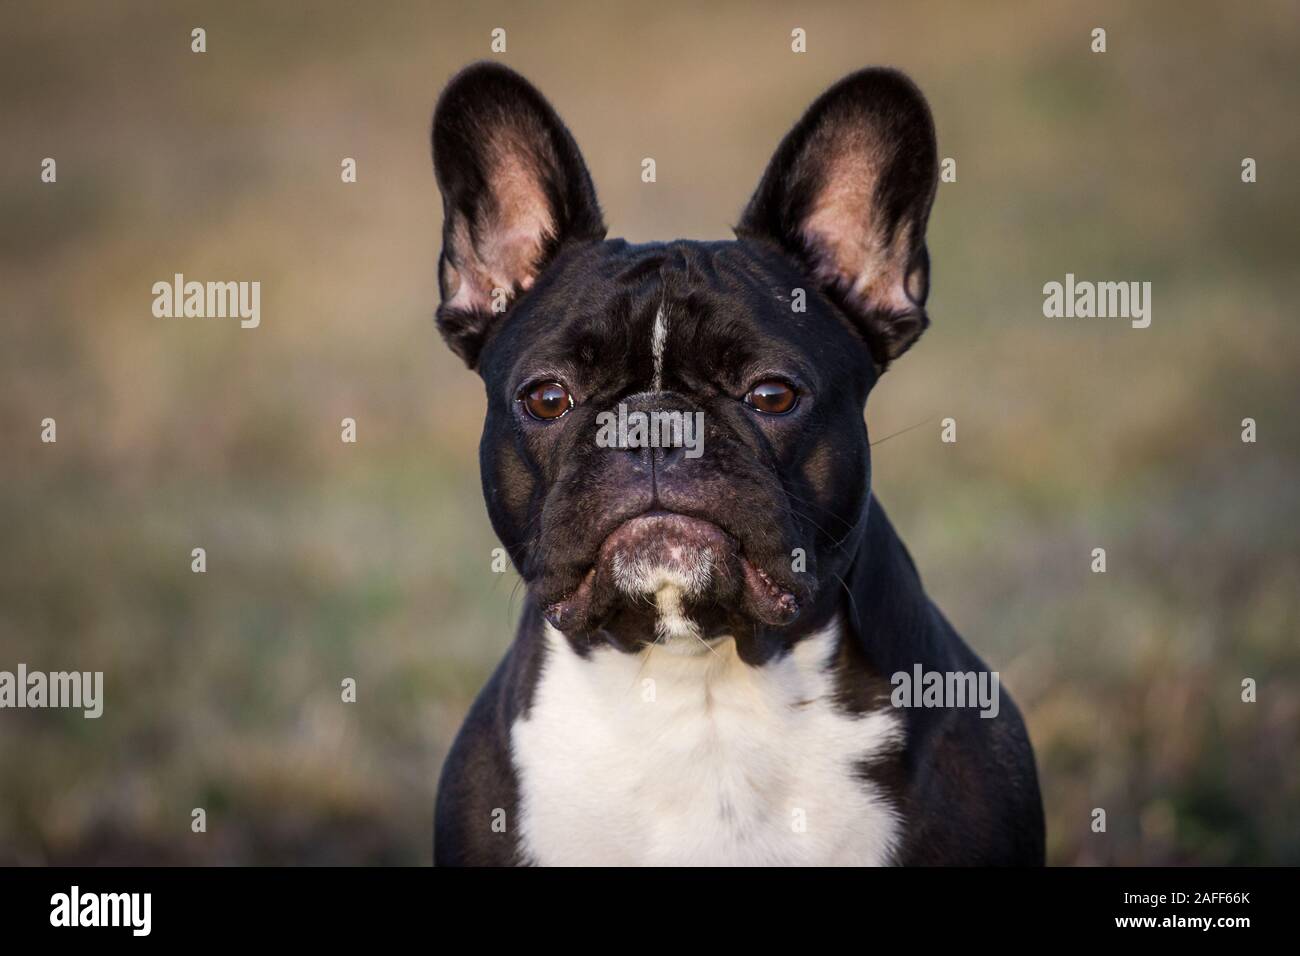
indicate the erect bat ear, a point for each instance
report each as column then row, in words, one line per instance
column 848, row 193
column 514, row 191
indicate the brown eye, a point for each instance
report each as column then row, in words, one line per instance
column 772, row 397
column 546, row 400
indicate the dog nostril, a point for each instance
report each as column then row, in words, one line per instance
column 655, row 432
column 643, row 456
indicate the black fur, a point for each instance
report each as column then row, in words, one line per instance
column 580, row 311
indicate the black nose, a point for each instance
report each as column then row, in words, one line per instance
column 658, row 430
column 663, row 459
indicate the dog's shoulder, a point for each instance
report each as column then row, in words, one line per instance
column 975, row 786
column 972, row 796
column 478, row 793
column 968, row 786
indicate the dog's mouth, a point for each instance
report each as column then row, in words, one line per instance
column 675, row 562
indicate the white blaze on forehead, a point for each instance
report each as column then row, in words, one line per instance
column 658, row 336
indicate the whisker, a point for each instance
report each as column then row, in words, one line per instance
column 903, row 431
column 856, row 617
column 645, row 659
column 834, row 542
column 805, row 501
column 707, row 646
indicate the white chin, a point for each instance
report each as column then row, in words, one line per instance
column 675, row 631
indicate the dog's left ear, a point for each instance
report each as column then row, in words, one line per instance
column 514, row 191
column 848, row 194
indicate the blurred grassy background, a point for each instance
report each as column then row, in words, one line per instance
column 328, row 560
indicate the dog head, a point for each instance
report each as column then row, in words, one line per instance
column 675, row 447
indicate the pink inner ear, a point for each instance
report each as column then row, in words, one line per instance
column 515, row 225
column 856, row 260
column 852, row 252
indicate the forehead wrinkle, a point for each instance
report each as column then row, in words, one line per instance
column 609, row 342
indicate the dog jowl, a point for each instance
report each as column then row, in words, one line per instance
column 702, row 670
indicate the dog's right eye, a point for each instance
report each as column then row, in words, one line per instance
column 546, row 401
column 772, row 397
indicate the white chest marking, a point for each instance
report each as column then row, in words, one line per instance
column 675, row 759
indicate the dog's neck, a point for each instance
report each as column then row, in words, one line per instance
column 888, row 600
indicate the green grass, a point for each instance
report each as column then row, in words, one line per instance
column 328, row 561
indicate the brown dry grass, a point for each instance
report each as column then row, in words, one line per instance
column 371, row 561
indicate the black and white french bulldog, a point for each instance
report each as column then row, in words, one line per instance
column 704, row 672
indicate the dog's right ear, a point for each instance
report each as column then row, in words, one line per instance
column 514, row 191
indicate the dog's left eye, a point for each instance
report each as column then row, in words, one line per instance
column 773, row 397
column 546, row 400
